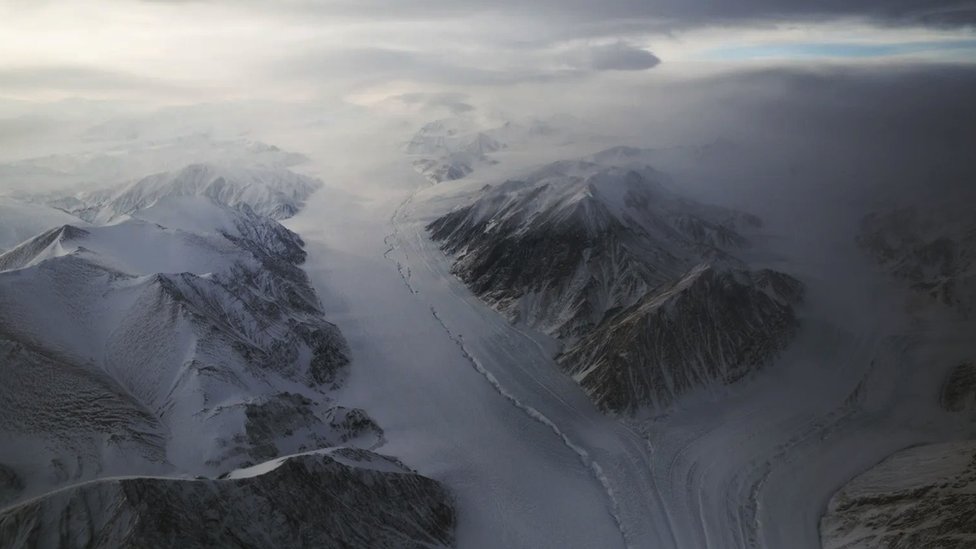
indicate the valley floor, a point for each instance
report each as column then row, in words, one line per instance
column 520, row 482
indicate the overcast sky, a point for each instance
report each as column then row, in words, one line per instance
column 366, row 51
column 889, row 78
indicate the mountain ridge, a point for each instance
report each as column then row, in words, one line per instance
column 570, row 245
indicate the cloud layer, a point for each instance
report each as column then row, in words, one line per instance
column 216, row 50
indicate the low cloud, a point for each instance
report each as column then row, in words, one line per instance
column 619, row 56
column 83, row 80
column 455, row 103
column 371, row 66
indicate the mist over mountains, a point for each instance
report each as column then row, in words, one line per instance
column 428, row 274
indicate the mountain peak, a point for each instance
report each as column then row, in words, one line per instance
column 47, row 244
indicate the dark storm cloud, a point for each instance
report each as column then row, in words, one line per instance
column 883, row 126
column 932, row 103
column 619, row 56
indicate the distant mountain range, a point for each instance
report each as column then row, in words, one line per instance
column 452, row 148
column 272, row 192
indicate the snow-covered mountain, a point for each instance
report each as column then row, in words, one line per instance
column 560, row 247
column 202, row 333
column 920, row 497
column 273, row 192
column 183, row 339
column 452, row 135
column 128, row 161
column 715, row 152
column 450, row 149
column 595, row 254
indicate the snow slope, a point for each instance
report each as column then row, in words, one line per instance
column 195, row 349
column 21, row 220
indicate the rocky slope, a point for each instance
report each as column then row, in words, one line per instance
column 597, row 255
column 959, row 389
column 449, row 167
column 918, row 498
column 711, row 325
column 342, row 498
column 930, row 246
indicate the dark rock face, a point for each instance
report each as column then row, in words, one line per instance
column 959, row 389
column 348, row 498
column 282, row 414
column 352, row 423
column 713, row 325
column 292, row 416
column 449, row 168
column 641, row 283
column 932, row 247
column 922, row 497
column 10, row 484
